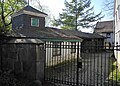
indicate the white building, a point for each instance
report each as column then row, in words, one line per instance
column 117, row 28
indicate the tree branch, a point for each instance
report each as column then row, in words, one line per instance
column 9, row 13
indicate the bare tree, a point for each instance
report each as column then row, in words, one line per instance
column 45, row 9
column 109, row 7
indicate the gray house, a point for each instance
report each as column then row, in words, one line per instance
column 28, row 30
column 105, row 28
column 29, row 23
column 93, row 40
column 28, row 17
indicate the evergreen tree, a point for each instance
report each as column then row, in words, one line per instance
column 77, row 13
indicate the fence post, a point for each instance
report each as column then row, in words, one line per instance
column 40, row 57
column 1, row 53
column 77, row 76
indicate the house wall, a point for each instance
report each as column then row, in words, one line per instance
column 18, row 22
column 117, row 29
column 108, row 39
column 65, row 54
column 111, row 38
column 91, row 45
column 24, row 21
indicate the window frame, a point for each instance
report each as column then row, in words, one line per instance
column 56, row 49
column 118, row 11
column 73, row 47
column 32, row 22
column 108, row 35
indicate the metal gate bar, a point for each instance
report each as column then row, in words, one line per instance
column 86, row 66
column 62, row 67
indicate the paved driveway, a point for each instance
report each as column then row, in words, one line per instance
column 95, row 68
column 94, row 71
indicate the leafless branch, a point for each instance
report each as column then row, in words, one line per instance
column 108, row 7
column 38, row 1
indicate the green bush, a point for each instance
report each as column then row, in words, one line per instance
column 115, row 73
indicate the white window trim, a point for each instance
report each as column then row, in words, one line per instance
column 35, row 25
column 118, row 11
column 56, row 49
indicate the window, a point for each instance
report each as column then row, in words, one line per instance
column 116, row 16
column 119, row 11
column 108, row 35
column 56, row 49
column 35, row 22
column 73, row 47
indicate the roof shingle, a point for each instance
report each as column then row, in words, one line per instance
column 103, row 27
column 54, row 33
column 43, row 33
column 29, row 10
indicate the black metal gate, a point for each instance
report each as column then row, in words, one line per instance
column 69, row 64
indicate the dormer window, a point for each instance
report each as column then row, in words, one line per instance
column 35, row 22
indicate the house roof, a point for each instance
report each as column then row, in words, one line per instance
column 44, row 34
column 54, row 34
column 24, row 40
column 79, row 34
column 29, row 10
column 104, row 27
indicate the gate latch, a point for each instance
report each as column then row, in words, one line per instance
column 79, row 65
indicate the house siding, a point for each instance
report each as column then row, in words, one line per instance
column 17, row 22
column 65, row 54
column 24, row 21
column 117, row 30
column 106, row 27
column 88, row 44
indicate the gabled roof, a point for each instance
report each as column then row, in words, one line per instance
column 30, row 11
column 104, row 27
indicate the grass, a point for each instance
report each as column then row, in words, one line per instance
column 115, row 73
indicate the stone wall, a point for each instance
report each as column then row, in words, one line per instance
column 27, row 59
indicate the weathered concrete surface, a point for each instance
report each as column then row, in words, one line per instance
column 40, row 57
column 24, row 58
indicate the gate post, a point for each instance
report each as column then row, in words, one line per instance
column 77, row 76
column 0, row 54
column 1, row 57
column 40, row 57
